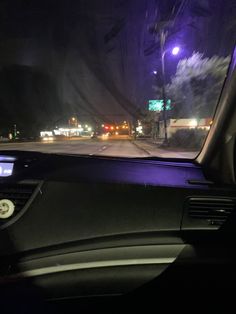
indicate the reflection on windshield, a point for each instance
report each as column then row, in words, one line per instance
column 111, row 77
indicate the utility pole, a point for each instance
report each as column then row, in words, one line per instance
column 134, row 126
column 163, row 52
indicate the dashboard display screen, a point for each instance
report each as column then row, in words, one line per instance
column 6, row 169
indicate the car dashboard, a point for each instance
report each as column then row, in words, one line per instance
column 89, row 227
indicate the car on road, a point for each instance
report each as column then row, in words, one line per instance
column 94, row 135
column 47, row 138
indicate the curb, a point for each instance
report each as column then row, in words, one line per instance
column 140, row 147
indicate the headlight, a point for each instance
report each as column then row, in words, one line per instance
column 48, row 138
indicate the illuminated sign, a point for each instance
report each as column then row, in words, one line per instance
column 157, row 105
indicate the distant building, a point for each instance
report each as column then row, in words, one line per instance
column 177, row 124
column 80, row 130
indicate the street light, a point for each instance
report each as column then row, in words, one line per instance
column 175, row 51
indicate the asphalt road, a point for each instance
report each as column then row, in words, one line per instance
column 121, row 147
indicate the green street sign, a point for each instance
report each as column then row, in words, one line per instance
column 157, row 105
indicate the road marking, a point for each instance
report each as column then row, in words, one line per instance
column 102, row 149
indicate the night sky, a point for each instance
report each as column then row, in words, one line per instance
column 95, row 59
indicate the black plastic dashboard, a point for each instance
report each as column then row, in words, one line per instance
column 96, row 214
column 77, row 198
column 29, row 165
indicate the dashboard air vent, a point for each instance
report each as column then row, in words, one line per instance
column 20, row 195
column 205, row 212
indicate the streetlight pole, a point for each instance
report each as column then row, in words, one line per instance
column 163, row 52
column 175, row 52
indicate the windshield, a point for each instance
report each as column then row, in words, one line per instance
column 111, row 77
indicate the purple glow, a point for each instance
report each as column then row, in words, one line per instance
column 7, row 158
column 155, row 72
column 175, row 51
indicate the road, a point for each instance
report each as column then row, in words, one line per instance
column 121, row 147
